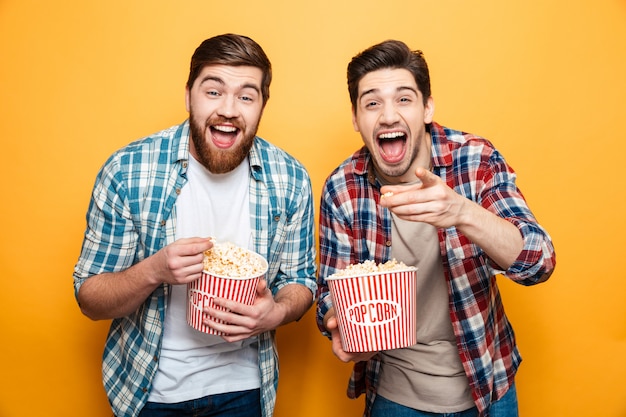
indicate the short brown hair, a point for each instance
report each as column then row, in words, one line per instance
column 388, row 54
column 235, row 50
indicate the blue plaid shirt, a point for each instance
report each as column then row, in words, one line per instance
column 132, row 214
column 354, row 227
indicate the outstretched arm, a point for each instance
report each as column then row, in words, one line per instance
column 432, row 201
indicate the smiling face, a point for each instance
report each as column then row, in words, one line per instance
column 391, row 116
column 225, row 106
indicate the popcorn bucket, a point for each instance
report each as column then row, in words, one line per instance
column 200, row 293
column 375, row 311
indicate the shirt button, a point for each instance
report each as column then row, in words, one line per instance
column 155, row 358
column 163, row 222
column 276, row 218
column 388, row 243
column 144, row 390
column 178, row 191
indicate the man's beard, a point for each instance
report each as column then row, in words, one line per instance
column 219, row 161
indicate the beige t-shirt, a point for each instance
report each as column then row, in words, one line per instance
column 428, row 376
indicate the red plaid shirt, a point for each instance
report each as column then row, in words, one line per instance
column 355, row 228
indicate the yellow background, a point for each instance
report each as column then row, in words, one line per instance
column 544, row 80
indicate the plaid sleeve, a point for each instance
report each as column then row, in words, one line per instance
column 499, row 193
column 353, row 227
column 110, row 240
column 283, row 213
column 335, row 248
column 297, row 261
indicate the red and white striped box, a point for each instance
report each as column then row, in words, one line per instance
column 200, row 293
column 375, row 311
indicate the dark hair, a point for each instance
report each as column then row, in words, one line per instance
column 235, row 50
column 388, row 54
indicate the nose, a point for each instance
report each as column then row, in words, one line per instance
column 389, row 114
column 228, row 107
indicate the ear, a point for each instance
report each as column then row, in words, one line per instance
column 429, row 110
column 354, row 123
column 187, row 98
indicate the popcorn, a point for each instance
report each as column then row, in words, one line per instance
column 369, row 267
column 375, row 305
column 229, row 260
column 230, row 272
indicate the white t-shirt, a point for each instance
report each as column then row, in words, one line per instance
column 194, row 364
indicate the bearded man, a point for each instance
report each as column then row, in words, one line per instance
column 162, row 201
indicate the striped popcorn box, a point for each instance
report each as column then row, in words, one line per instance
column 200, row 293
column 375, row 311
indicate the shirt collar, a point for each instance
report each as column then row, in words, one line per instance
column 180, row 149
column 441, row 147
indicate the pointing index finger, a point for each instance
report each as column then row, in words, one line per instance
column 427, row 178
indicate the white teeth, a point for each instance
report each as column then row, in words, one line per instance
column 391, row 135
column 225, row 129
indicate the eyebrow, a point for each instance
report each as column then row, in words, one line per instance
column 398, row 90
column 221, row 82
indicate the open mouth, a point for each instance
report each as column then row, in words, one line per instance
column 224, row 135
column 392, row 146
